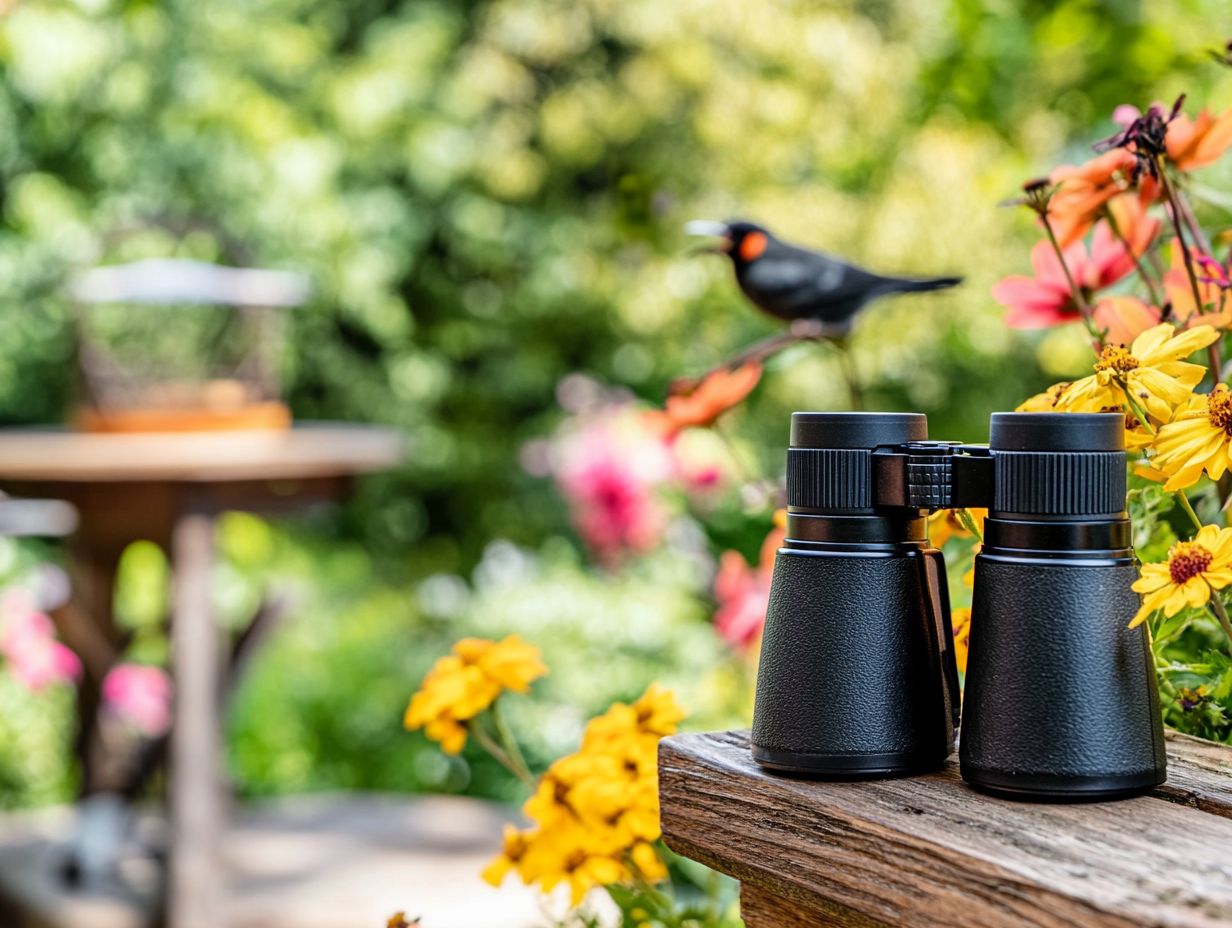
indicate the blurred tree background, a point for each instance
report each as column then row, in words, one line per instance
column 488, row 196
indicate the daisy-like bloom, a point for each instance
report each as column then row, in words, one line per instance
column 1198, row 142
column 1046, row 401
column 595, row 813
column 462, row 684
column 705, row 401
column 1151, row 371
column 1046, row 299
column 945, row 524
column 1084, row 190
column 1136, row 435
column 1190, row 575
column 1196, row 440
column 960, row 619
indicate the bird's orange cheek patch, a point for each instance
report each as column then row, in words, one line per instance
column 752, row 246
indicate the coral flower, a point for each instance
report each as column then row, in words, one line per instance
column 1084, row 190
column 1045, row 299
column 1196, row 440
column 1124, row 318
column 1199, row 142
column 1194, row 569
column 1151, row 371
column 718, row 392
column 1179, row 289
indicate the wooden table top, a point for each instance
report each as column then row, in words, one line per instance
column 929, row 852
column 312, row 449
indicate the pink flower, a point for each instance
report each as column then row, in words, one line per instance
column 140, row 695
column 743, row 593
column 611, row 470
column 29, row 646
column 1045, row 299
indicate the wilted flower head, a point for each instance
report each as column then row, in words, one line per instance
column 1145, row 138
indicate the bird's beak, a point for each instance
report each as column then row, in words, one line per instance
column 708, row 228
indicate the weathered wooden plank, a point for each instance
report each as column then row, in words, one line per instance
column 928, row 851
column 760, row 909
column 1199, row 774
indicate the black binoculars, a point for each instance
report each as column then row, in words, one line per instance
column 858, row 677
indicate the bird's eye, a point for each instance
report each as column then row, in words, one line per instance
column 752, row 246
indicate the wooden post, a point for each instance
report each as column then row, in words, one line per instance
column 195, row 886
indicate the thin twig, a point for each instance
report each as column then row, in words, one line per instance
column 1080, row 301
column 1120, row 236
column 1174, row 212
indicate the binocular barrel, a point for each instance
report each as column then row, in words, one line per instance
column 1061, row 699
column 857, row 674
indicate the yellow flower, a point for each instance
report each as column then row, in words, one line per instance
column 1046, row 401
column 945, row 524
column 1196, row 440
column 516, row 844
column 960, row 618
column 462, row 684
column 1152, row 373
column 596, row 811
column 1193, row 570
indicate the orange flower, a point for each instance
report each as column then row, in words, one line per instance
column 1084, row 190
column 1125, row 318
column 718, row 392
column 1179, row 291
column 1195, row 143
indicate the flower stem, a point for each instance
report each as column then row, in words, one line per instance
column 1120, row 237
column 1139, row 413
column 498, row 753
column 1084, row 309
column 1174, row 212
column 510, row 743
column 1190, row 219
column 1221, row 613
column 1188, row 507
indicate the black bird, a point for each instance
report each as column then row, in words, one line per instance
column 816, row 292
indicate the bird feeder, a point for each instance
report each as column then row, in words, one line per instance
column 179, row 345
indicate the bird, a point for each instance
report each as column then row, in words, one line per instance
column 819, row 294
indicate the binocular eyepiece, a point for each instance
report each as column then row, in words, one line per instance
column 858, row 676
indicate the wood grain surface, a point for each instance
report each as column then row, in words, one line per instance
column 307, row 450
column 929, row 851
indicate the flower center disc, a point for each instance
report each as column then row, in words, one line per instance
column 1219, row 409
column 1187, row 560
column 1116, row 358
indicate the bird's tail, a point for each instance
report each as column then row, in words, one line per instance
column 910, row 285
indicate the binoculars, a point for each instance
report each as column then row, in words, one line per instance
column 858, row 677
